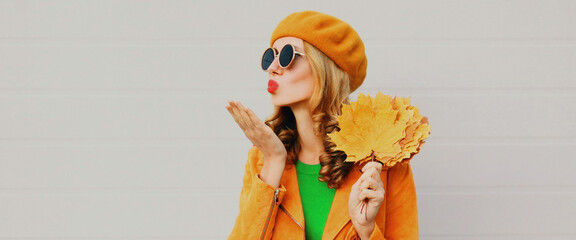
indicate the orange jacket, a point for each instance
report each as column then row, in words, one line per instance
column 276, row 213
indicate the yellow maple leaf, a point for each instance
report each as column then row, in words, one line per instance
column 386, row 128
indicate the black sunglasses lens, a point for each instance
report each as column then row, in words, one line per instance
column 286, row 55
column 267, row 58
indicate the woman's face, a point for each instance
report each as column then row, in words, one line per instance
column 295, row 83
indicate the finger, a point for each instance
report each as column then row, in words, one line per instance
column 244, row 115
column 230, row 109
column 371, row 195
column 241, row 116
column 255, row 119
column 375, row 165
column 369, row 183
column 236, row 115
column 370, row 173
column 363, row 195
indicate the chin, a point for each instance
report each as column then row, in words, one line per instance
column 278, row 102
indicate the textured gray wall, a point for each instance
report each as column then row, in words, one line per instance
column 112, row 119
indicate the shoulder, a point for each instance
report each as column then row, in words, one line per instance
column 400, row 176
column 400, row 166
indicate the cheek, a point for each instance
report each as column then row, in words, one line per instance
column 304, row 81
column 302, row 87
column 309, row 87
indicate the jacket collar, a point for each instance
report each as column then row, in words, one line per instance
column 291, row 201
column 339, row 215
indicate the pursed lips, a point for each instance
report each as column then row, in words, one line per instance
column 272, row 86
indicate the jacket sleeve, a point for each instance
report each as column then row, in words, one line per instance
column 376, row 234
column 258, row 202
column 401, row 205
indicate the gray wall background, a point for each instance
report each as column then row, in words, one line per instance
column 113, row 126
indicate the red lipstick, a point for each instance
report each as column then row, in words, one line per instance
column 272, row 86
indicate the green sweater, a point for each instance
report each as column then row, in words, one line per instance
column 316, row 199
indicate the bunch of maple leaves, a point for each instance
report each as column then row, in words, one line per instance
column 384, row 128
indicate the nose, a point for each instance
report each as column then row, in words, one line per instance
column 275, row 68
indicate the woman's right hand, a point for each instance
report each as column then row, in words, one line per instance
column 264, row 139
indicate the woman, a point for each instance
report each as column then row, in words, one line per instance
column 296, row 186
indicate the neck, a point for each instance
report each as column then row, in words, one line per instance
column 311, row 145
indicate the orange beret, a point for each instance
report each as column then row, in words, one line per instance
column 334, row 37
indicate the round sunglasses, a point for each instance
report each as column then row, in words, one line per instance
column 285, row 57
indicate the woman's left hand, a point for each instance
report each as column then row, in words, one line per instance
column 365, row 199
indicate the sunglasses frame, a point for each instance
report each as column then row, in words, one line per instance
column 277, row 55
